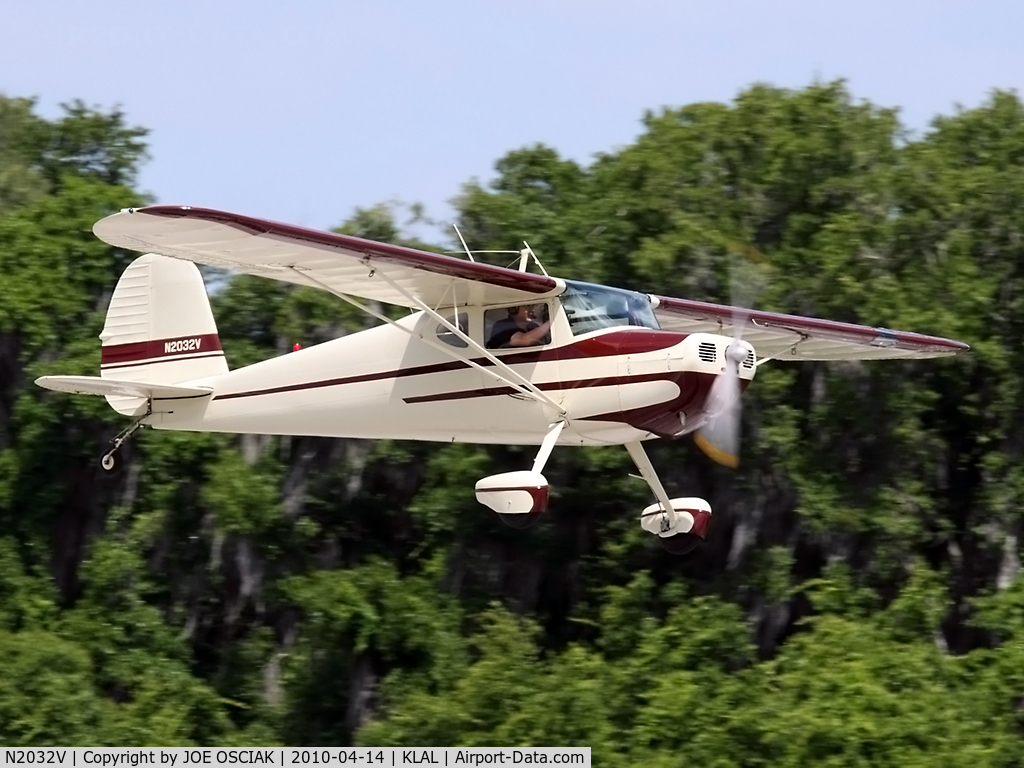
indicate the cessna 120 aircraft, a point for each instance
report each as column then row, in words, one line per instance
column 490, row 355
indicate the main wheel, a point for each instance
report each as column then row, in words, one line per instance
column 109, row 462
column 520, row 521
column 681, row 543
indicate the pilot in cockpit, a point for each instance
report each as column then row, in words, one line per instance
column 520, row 328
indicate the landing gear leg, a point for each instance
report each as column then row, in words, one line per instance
column 547, row 446
column 109, row 460
column 679, row 524
column 666, row 512
column 520, row 498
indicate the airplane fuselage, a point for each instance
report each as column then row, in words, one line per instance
column 615, row 385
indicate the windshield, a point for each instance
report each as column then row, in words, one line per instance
column 592, row 307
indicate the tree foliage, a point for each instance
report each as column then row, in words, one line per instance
column 858, row 602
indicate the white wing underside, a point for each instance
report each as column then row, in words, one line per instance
column 791, row 337
column 337, row 263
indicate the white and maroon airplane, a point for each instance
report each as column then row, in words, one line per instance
column 584, row 365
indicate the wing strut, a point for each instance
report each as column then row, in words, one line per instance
column 512, row 376
column 512, row 379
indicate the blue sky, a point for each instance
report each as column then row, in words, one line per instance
column 302, row 111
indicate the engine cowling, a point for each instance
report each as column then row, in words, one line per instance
column 519, row 498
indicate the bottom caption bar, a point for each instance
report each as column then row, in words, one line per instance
column 175, row 757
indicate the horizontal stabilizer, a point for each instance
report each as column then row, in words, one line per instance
column 94, row 385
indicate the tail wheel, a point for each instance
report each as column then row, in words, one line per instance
column 109, row 462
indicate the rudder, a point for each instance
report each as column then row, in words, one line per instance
column 159, row 328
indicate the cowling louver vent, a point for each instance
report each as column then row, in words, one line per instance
column 706, row 352
column 749, row 361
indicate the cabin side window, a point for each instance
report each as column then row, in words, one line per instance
column 593, row 307
column 524, row 325
column 445, row 334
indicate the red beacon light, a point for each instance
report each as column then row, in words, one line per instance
column 296, row 347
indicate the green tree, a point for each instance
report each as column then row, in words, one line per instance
column 857, row 602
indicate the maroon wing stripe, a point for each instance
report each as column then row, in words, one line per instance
column 394, row 254
column 633, row 341
column 138, row 351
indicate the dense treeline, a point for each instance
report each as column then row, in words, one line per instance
column 858, row 601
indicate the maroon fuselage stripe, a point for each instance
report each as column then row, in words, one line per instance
column 621, row 343
column 545, row 386
column 361, row 378
column 662, row 419
column 153, row 350
column 159, row 360
column 675, row 417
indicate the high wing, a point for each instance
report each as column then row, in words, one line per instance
column 337, row 263
column 790, row 337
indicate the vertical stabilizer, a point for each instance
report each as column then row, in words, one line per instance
column 159, row 328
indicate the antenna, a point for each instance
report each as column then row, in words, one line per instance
column 463, row 241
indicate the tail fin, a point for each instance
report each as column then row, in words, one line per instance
column 159, row 328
